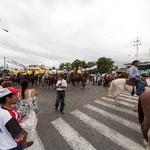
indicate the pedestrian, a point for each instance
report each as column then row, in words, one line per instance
column 27, row 99
column 12, row 136
column 61, row 86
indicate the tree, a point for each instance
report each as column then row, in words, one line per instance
column 61, row 66
column 91, row 64
column 104, row 65
column 83, row 64
column 78, row 63
column 66, row 65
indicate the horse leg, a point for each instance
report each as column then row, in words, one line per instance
column 73, row 82
column 116, row 101
column 145, row 129
column 144, row 124
column 140, row 112
column 83, row 83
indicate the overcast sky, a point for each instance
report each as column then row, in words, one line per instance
column 54, row 31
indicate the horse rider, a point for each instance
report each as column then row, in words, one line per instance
column 75, row 70
column 79, row 70
column 54, row 71
column 65, row 72
column 134, row 75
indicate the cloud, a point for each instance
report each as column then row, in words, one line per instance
column 55, row 31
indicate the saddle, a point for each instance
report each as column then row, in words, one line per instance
column 131, row 82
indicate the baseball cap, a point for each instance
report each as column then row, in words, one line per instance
column 9, row 90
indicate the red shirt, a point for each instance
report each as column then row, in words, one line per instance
column 15, row 114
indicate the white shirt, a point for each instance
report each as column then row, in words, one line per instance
column 63, row 83
column 6, row 140
column 134, row 72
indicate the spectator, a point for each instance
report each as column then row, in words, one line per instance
column 12, row 136
column 27, row 99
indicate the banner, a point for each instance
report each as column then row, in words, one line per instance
column 13, row 62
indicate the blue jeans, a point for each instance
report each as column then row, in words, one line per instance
column 140, row 84
column 19, row 147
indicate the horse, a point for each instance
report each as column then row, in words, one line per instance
column 143, row 105
column 75, row 78
column 144, row 115
column 107, row 80
column 119, row 85
column 52, row 80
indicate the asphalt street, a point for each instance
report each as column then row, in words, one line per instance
column 91, row 121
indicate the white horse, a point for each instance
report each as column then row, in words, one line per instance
column 119, row 86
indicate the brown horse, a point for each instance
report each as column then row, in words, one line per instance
column 144, row 115
column 75, row 78
column 107, row 80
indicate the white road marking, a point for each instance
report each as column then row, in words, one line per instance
column 37, row 142
column 125, row 122
column 72, row 137
column 111, row 106
column 129, row 96
column 127, row 100
column 109, row 133
column 120, row 102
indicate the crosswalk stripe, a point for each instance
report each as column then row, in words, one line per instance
column 72, row 137
column 109, row 133
column 127, row 100
column 120, row 102
column 111, row 106
column 129, row 96
column 125, row 122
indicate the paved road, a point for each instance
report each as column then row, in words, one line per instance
column 91, row 121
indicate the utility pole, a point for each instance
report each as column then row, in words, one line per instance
column 136, row 44
column 4, row 63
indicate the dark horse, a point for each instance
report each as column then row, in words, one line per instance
column 144, row 115
column 77, row 78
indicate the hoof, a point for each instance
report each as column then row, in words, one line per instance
column 146, row 143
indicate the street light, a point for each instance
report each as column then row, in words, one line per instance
column 4, row 29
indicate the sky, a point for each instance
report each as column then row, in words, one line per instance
column 54, row 31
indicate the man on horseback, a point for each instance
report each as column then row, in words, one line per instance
column 134, row 75
column 54, row 70
column 79, row 70
column 65, row 72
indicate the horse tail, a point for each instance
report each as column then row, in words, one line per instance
column 140, row 112
column 110, row 88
